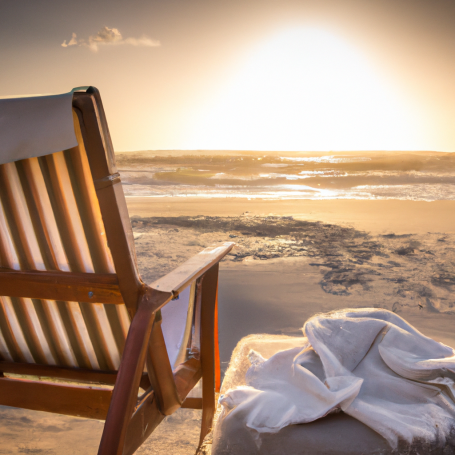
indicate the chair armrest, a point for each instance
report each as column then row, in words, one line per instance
column 182, row 276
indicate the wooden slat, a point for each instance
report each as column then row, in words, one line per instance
column 209, row 295
column 192, row 269
column 160, row 372
column 216, row 343
column 192, row 403
column 66, row 373
column 186, row 376
column 80, row 401
column 100, row 154
column 64, row 286
column 15, row 207
column 41, row 215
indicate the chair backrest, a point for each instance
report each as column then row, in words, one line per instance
column 63, row 217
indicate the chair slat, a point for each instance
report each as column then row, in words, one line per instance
column 8, row 255
column 4, row 351
column 94, row 314
column 24, row 325
column 51, row 243
column 85, row 287
column 36, row 338
column 18, row 346
column 80, row 331
column 81, row 401
column 65, row 373
column 94, row 228
column 60, row 341
column 50, row 220
column 87, row 200
column 67, row 213
column 17, row 214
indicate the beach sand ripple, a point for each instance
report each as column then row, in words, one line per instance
column 407, row 271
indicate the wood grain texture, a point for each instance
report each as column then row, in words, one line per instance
column 186, row 376
column 64, row 286
column 209, row 294
column 70, row 374
column 97, row 142
column 192, row 403
column 90, row 234
column 160, row 372
column 129, row 376
column 79, row 401
column 192, row 269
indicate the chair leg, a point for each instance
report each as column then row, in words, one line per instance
column 208, row 304
column 124, row 397
column 160, row 372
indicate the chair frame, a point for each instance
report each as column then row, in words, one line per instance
column 129, row 419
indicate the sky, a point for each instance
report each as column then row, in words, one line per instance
column 290, row 75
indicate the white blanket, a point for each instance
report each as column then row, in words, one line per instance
column 369, row 363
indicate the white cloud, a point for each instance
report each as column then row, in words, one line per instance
column 109, row 36
column 144, row 41
column 72, row 41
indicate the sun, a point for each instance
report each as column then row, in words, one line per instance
column 307, row 89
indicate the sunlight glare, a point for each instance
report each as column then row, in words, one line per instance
column 307, row 89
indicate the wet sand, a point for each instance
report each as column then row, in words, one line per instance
column 378, row 216
column 277, row 298
column 292, row 259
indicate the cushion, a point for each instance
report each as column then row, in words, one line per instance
column 336, row 433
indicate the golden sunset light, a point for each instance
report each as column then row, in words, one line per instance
column 227, row 227
column 308, row 89
column 253, row 75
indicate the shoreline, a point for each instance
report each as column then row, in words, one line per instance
column 374, row 216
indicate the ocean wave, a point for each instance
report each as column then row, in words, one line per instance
column 409, row 192
column 327, row 159
column 425, row 176
column 296, row 191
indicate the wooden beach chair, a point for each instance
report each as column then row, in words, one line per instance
column 73, row 307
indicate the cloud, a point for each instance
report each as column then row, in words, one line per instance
column 72, row 41
column 109, row 36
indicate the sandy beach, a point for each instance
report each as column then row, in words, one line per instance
column 295, row 258
column 376, row 216
column 292, row 259
column 316, row 137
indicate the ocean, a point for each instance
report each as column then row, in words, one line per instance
column 418, row 176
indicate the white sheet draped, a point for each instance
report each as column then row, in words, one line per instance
column 369, row 363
